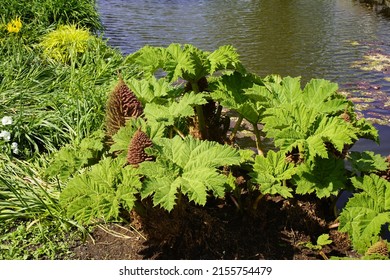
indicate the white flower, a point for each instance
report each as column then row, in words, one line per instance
column 5, row 135
column 6, row 120
column 14, row 148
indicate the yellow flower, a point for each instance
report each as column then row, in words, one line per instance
column 15, row 25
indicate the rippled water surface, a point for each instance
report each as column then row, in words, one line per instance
column 331, row 39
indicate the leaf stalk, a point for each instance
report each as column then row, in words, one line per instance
column 258, row 139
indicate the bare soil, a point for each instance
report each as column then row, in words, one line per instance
column 273, row 229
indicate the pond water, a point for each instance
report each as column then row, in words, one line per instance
column 339, row 40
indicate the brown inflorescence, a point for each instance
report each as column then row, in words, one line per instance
column 122, row 104
column 379, row 247
column 136, row 152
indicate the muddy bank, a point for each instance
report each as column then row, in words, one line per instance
column 380, row 6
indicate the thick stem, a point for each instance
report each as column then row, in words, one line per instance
column 256, row 203
column 218, row 113
column 199, row 112
column 258, row 139
column 323, row 255
column 236, row 127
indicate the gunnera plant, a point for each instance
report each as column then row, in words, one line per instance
column 122, row 104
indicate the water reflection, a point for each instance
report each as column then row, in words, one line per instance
column 322, row 38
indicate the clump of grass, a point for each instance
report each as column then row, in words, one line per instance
column 24, row 240
column 53, row 12
column 51, row 102
column 65, row 43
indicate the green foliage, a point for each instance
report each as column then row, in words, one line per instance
column 24, row 194
column 100, row 192
column 325, row 177
column 367, row 162
column 187, row 104
column 55, row 104
column 322, row 241
column 171, row 112
column 45, row 13
column 272, row 172
column 152, row 90
column 65, row 43
column 124, row 135
column 307, row 119
column 366, row 213
column 71, row 158
column 35, row 241
column 186, row 62
column 241, row 93
column 188, row 166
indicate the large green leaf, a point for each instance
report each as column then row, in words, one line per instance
column 272, row 172
column 367, row 162
column 239, row 92
column 285, row 91
column 223, row 58
column 189, row 166
column 322, row 96
column 99, row 192
column 149, row 58
column 152, row 90
column 323, row 176
column 179, row 62
column 296, row 125
column 174, row 110
column 72, row 157
column 366, row 212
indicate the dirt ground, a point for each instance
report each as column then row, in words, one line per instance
column 273, row 229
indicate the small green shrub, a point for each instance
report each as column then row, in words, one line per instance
column 66, row 43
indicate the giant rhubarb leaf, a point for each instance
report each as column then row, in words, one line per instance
column 100, row 192
column 241, row 93
column 367, row 212
column 298, row 126
column 189, row 166
column 169, row 113
column 325, row 177
column 272, row 173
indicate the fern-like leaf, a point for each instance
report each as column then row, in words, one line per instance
column 71, row 158
column 100, row 192
column 366, row 213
